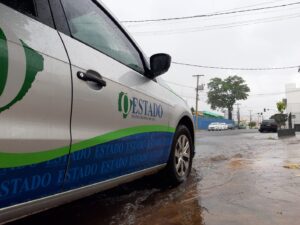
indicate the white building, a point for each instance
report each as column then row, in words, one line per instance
column 293, row 101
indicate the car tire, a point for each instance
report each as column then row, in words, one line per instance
column 181, row 157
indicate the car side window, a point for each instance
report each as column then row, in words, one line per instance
column 36, row 9
column 25, row 6
column 89, row 24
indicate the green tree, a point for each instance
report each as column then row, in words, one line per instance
column 252, row 124
column 223, row 94
column 281, row 106
column 280, row 119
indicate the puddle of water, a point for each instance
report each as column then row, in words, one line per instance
column 237, row 164
column 218, row 158
column 179, row 205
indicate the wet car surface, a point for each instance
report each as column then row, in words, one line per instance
column 238, row 177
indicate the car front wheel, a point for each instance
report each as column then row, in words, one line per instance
column 180, row 161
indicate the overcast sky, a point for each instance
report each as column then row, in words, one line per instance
column 268, row 44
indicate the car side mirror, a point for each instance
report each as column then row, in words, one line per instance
column 160, row 64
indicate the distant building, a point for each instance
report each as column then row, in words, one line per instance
column 293, row 102
column 207, row 114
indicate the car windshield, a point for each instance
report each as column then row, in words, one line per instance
column 268, row 121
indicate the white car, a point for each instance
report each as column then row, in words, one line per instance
column 224, row 126
column 82, row 109
column 214, row 127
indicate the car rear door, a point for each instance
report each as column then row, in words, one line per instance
column 35, row 103
column 119, row 118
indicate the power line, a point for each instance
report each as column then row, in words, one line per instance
column 250, row 95
column 256, row 94
column 180, row 85
column 237, row 68
column 212, row 14
column 219, row 26
column 213, row 18
column 248, row 6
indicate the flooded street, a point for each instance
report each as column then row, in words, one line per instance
column 238, row 177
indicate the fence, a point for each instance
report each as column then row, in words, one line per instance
column 204, row 122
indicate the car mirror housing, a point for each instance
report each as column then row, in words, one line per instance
column 159, row 64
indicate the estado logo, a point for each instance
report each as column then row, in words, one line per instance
column 19, row 65
column 139, row 108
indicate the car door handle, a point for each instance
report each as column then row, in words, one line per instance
column 92, row 76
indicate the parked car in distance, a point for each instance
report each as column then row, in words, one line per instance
column 214, row 127
column 242, row 126
column 82, row 108
column 268, row 126
column 224, row 126
column 230, row 126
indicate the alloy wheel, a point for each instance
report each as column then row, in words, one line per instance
column 182, row 155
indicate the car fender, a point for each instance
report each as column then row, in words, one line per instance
column 181, row 113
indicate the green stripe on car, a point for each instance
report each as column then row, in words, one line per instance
column 11, row 160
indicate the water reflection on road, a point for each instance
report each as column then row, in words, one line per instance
column 142, row 202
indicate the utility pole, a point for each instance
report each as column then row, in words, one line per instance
column 250, row 115
column 197, row 97
column 238, row 113
column 250, row 123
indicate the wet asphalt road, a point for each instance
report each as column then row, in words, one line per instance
column 238, row 177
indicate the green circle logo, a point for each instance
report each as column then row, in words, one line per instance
column 125, row 104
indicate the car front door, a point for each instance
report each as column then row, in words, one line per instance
column 35, row 103
column 120, row 118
